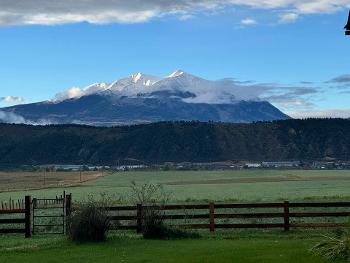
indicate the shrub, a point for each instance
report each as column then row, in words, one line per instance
column 334, row 248
column 153, row 223
column 88, row 222
column 155, row 228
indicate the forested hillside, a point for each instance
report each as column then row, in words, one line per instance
column 175, row 141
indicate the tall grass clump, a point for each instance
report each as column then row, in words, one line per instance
column 89, row 221
column 334, row 247
column 151, row 196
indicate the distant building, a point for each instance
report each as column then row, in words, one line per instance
column 252, row 165
column 130, row 167
column 73, row 167
column 291, row 164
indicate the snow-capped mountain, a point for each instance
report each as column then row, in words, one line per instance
column 142, row 98
column 205, row 91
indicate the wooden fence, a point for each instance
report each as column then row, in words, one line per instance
column 284, row 215
column 16, row 215
column 213, row 216
column 20, row 217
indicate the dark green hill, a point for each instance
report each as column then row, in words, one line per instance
column 176, row 141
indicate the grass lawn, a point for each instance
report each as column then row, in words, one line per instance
column 194, row 186
column 131, row 248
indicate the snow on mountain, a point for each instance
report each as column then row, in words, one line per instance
column 142, row 98
column 205, row 91
column 134, row 84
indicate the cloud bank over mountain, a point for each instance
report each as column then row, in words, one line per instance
column 298, row 100
column 224, row 91
column 43, row 12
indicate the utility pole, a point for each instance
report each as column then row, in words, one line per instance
column 347, row 27
column 44, row 176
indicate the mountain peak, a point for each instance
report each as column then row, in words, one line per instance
column 136, row 77
column 141, row 98
column 143, row 79
column 176, row 73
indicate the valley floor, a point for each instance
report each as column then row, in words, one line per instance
column 201, row 186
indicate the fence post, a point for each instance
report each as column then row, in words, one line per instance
column 68, row 200
column 139, row 218
column 211, row 217
column 286, row 215
column 28, row 225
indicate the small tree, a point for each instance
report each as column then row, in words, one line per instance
column 151, row 196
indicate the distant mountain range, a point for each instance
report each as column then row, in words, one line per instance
column 313, row 139
column 143, row 99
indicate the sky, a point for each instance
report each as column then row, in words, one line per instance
column 295, row 51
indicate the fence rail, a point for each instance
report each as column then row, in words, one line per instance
column 213, row 215
column 12, row 204
column 12, row 225
column 17, row 217
column 20, row 217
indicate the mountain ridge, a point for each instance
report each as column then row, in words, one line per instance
column 312, row 139
column 142, row 98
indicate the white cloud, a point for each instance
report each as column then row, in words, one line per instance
column 328, row 113
column 186, row 17
column 19, row 12
column 77, row 92
column 248, row 21
column 12, row 99
column 223, row 91
column 288, row 18
column 10, row 117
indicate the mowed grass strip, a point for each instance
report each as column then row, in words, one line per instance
column 126, row 249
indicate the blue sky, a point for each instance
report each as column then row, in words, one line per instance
column 283, row 45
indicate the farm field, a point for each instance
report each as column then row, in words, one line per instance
column 14, row 181
column 195, row 186
column 274, row 248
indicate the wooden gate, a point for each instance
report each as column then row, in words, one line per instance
column 49, row 214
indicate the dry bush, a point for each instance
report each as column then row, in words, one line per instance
column 89, row 221
column 153, row 224
column 334, row 247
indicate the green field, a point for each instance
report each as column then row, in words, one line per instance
column 131, row 248
column 190, row 186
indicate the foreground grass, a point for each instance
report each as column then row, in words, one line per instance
column 131, row 248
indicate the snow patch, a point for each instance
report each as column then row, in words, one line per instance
column 176, row 73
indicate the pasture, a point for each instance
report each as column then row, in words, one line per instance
column 196, row 186
column 239, row 245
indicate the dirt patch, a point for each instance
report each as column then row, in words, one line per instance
column 262, row 180
column 11, row 181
